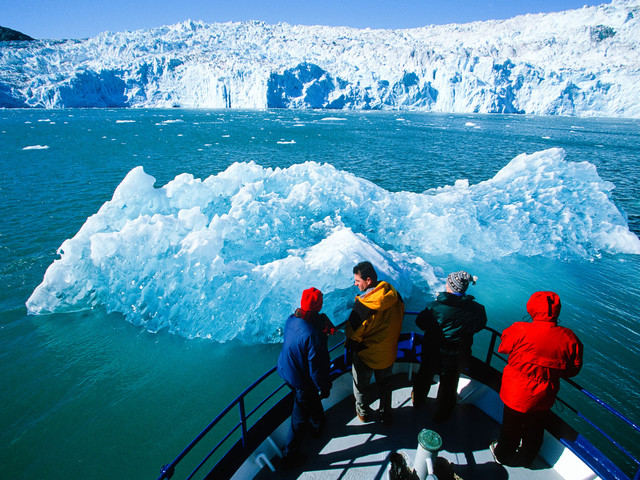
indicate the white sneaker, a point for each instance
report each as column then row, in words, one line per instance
column 492, row 448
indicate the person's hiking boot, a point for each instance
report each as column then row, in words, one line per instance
column 365, row 415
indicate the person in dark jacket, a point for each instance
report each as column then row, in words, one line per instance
column 540, row 353
column 304, row 365
column 449, row 323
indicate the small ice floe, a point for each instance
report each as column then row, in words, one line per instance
column 44, row 120
column 168, row 122
column 125, row 121
column 333, row 119
column 546, row 137
column 470, row 124
column 36, row 147
column 226, row 136
column 285, row 142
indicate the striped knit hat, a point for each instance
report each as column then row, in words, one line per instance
column 459, row 281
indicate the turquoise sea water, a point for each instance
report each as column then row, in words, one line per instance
column 87, row 394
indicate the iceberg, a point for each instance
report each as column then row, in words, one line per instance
column 579, row 62
column 228, row 256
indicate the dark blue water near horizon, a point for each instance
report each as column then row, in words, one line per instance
column 88, row 395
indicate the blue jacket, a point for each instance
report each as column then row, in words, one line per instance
column 304, row 360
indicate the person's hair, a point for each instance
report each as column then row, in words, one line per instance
column 366, row 270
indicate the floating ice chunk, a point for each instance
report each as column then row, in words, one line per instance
column 36, row 147
column 169, row 122
column 228, row 256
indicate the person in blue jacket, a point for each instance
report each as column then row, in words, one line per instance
column 304, row 365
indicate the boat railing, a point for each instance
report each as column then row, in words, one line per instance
column 409, row 351
column 168, row 470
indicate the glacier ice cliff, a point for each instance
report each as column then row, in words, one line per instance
column 582, row 62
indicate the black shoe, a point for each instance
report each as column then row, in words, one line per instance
column 417, row 400
column 293, row 460
column 492, row 449
column 386, row 416
column 399, row 468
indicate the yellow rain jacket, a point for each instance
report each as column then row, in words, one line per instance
column 374, row 326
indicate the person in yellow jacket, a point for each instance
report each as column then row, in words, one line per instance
column 373, row 329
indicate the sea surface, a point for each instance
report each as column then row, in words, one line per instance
column 92, row 391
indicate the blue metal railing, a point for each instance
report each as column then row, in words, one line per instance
column 168, row 470
column 408, row 352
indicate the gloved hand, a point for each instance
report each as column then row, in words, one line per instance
column 353, row 345
column 325, row 393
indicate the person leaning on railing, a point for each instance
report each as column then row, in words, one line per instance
column 304, row 366
column 449, row 322
column 372, row 331
column 540, row 353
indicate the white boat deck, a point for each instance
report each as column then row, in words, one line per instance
column 351, row 450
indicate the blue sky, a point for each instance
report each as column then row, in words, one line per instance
column 53, row 19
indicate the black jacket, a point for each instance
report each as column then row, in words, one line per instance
column 451, row 321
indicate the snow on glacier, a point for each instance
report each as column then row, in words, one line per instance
column 227, row 257
column 579, row 62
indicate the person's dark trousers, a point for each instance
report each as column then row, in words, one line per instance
column 451, row 367
column 518, row 427
column 429, row 365
column 307, row 411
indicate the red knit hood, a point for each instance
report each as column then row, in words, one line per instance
column 544, row 306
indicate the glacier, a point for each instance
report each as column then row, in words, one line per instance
column 582, row 62
column 228, row 256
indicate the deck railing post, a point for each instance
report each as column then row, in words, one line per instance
column 492, row 346
column 167, row 472
column 243, row 421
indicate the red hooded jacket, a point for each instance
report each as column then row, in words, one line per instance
column 540, row 353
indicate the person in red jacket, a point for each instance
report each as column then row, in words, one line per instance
column 540, row 353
